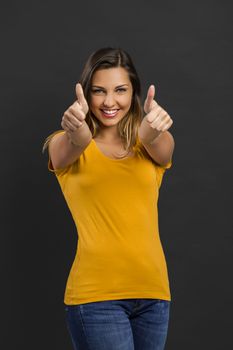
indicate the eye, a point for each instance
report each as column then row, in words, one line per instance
column 96, row 91
column 121, row 89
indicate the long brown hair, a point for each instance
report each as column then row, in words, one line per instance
column 106, row 58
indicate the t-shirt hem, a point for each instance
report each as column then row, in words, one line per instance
column 78, row 301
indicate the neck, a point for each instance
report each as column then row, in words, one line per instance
column 108, row 137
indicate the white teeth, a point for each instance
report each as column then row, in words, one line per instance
column 110, row 112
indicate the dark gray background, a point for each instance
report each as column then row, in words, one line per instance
column 184, row 48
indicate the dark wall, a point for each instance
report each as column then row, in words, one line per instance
column 184, row 48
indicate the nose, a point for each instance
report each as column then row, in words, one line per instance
column 109, row 101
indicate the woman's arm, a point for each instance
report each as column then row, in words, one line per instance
column 63, row 152
column 161, row 149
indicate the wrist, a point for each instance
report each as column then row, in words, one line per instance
column 71, row 139
column 151, row 141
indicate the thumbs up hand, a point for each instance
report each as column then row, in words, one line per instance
column 156, row 119
column 75, row 115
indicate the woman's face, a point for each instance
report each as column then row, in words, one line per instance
column 110, row 95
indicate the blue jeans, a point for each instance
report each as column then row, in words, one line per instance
column 125, row 324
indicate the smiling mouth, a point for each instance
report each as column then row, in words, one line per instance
column 109, row 113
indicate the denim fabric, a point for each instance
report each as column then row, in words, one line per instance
column 125, row 324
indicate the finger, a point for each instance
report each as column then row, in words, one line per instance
column 67, row 126
column 163, row 115
column 76, row 104
column 73, row 125
column 167, row 125
column 80, row 95
column 76, row 111
column 66, row 122
column 163, row 122
column 158, row 120
column 73, row 119
column 150, row 96
column 154, row 114
column 63, row 125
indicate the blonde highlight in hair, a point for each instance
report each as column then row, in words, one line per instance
column 49, row 138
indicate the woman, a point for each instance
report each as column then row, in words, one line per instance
column 109, row 161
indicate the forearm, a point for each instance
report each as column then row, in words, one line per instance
column 65, row 148
column 161, row 148
column 79, row 137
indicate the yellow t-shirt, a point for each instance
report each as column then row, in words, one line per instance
column 113, row 203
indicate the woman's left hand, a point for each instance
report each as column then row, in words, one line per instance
column 156, row 119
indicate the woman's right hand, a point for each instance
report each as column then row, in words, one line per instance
column 75, row 115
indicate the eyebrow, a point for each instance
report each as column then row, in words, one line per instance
column 103, row 87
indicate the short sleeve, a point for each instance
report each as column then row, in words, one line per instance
column 60, row 171
column 160, row 170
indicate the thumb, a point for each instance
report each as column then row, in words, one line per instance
column 149, row 98
column 81, row 98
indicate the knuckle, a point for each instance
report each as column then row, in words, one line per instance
column 82, row 115
column 78, row 124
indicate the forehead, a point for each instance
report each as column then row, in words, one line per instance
column 111, row 76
